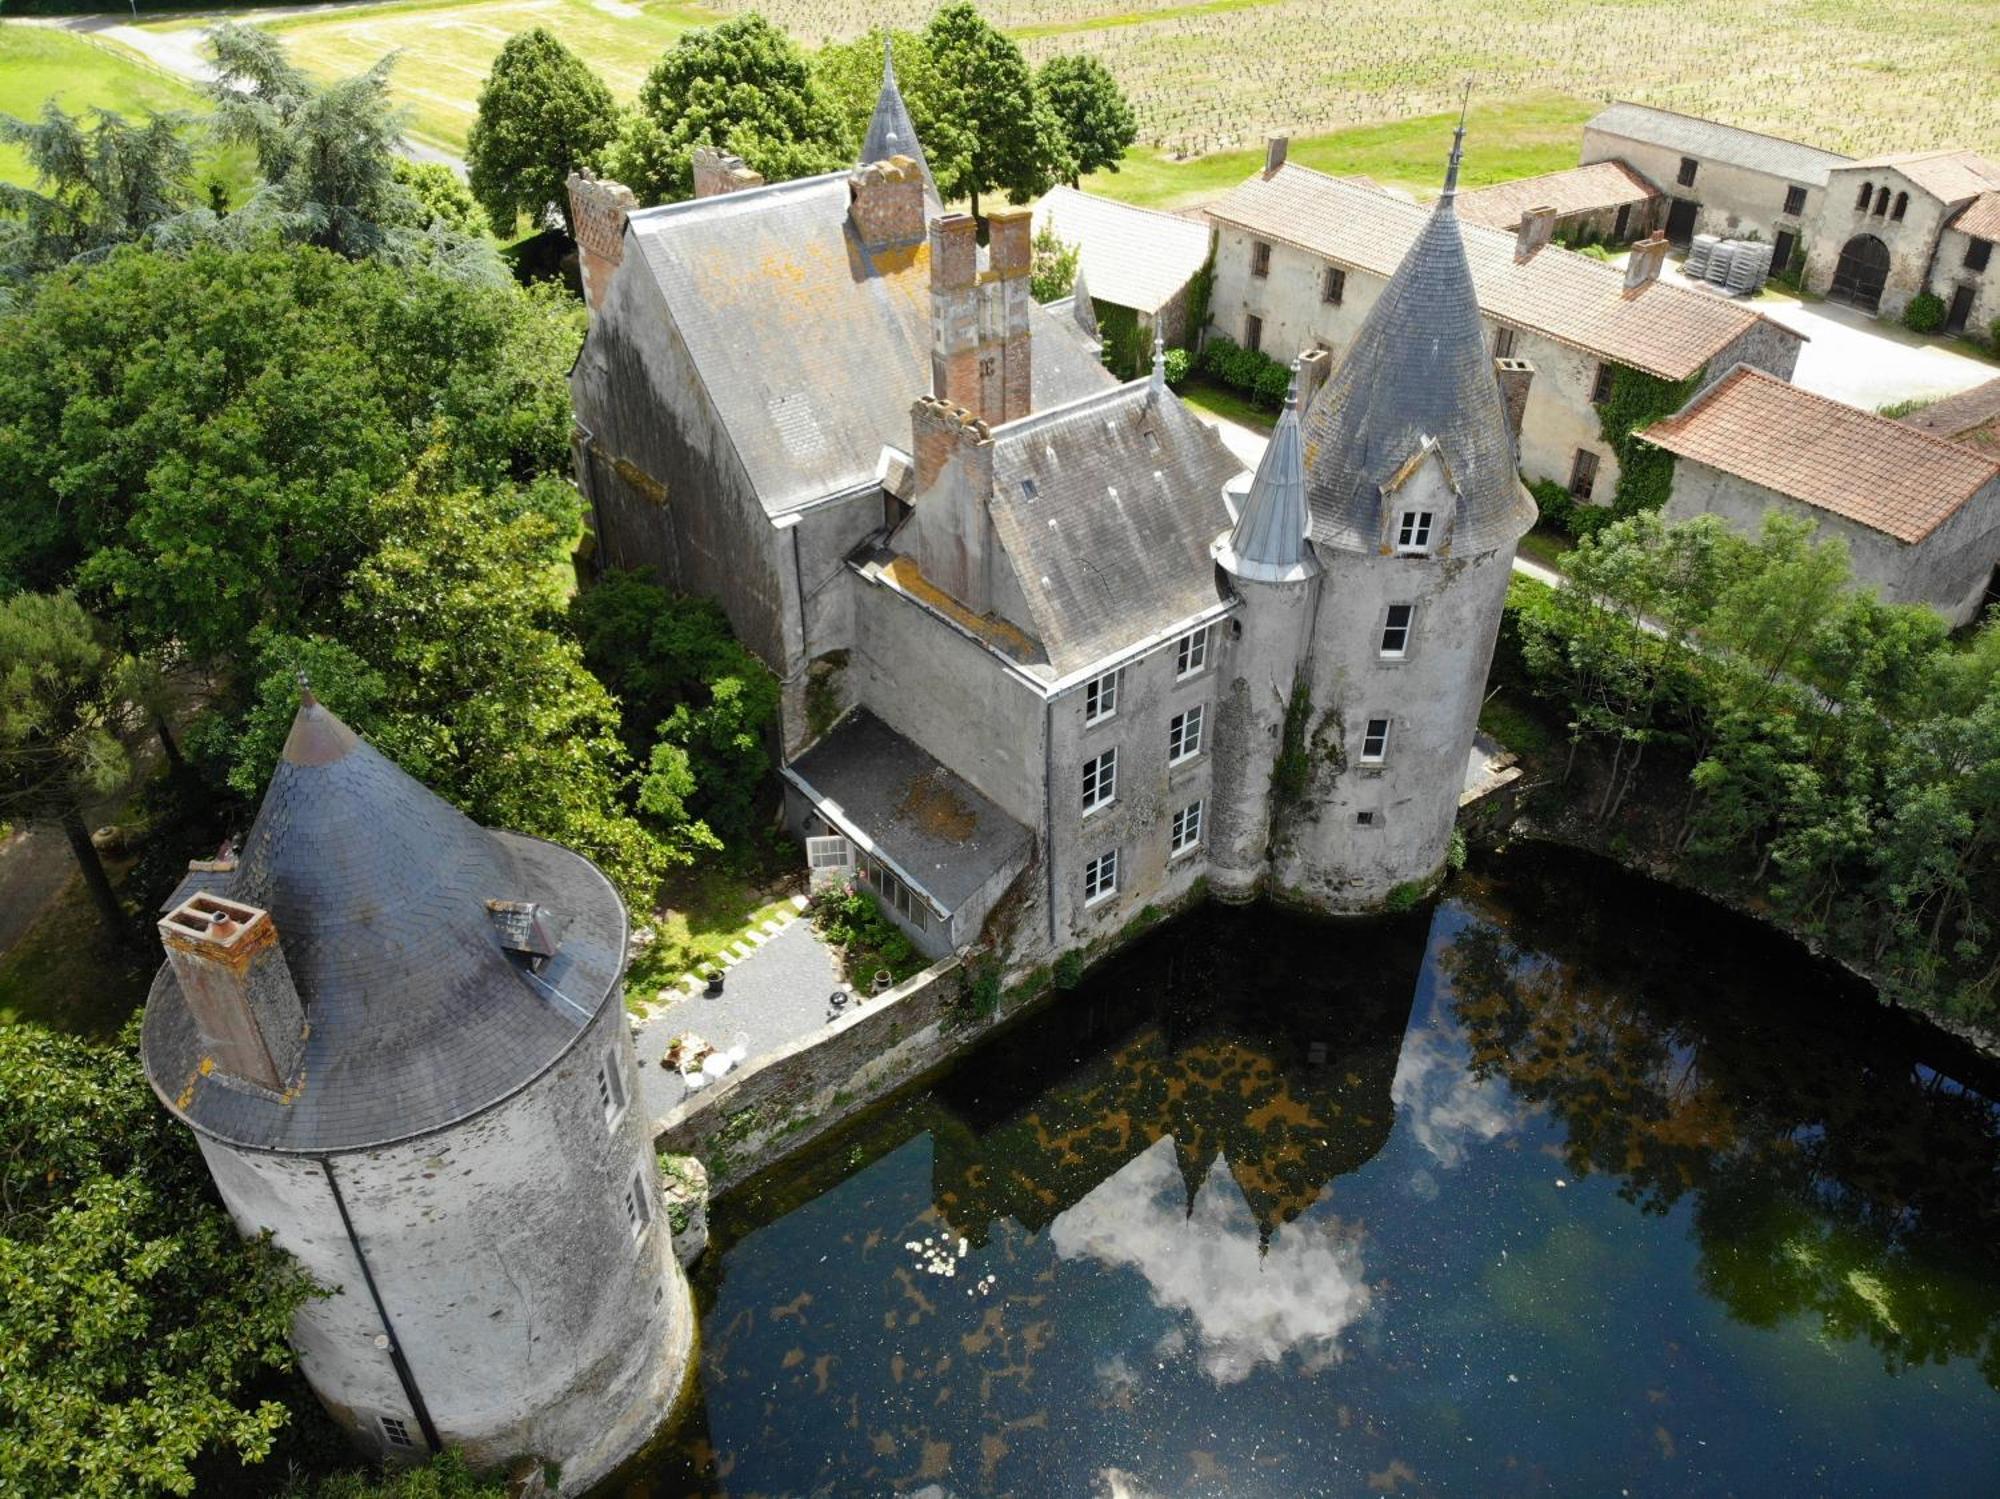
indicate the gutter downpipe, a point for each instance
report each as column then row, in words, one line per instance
column 404, row 1375
column 1049, row 805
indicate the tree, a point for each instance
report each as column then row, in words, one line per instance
column 741, row 86
column 439, row 197
column 96, row 185
column 136, row 1322
column 1097, row 121
column 542, row 115
column 63, row 708
column 1053, row 276
column 849, row 76
column 1017, row 144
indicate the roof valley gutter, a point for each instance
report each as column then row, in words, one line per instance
column 404, row 1374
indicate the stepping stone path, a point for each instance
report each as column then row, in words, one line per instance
column 689, row 984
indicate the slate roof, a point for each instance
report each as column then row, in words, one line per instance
column 1133, row 257
column 811, row 348
column 1268, row 541
column 890, row 130
column 1665, row 330
column 418, row 1017
column 1416, row 371
column 1711, row 140
column 931, row 824
column 1585, row 189
column 1972, row 417
column 1953, row 176
column 1881, row 473
column 1109, row 536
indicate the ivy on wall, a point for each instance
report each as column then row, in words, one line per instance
column 1637, row 400
column 1118, row 330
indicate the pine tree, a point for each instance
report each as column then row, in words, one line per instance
column 98, row 184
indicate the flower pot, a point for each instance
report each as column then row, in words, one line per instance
column 714, row 988
column 884, row 982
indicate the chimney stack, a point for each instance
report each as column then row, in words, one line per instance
column 717, row 172
column 597, row 213
column 938, row 430
column 1276, row 147
column 980, row 355
column 1538, row 225
column 1642, row 267
column 1515, row 376
column 886, row 203
column 1315, row 364
column 238, row 989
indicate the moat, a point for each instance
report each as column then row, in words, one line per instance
column 1568, row 1184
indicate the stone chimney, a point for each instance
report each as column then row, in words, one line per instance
column 940, row 429
column 1537, row 226
column 1642, row 267
column 1515, row 376
column 717, row 172
column 238, row 987
column 886, row 203
column 1315, row 365
column 597, row 214
column 980, row 354
column 1276, row 148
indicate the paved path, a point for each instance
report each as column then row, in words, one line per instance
column 771, row 998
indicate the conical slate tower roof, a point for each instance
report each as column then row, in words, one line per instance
column 418, row 1015
column 1268, row 541
column 890, row 132
column 1418, row 369
column 1081, row 309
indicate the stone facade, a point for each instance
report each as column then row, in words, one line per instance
column 1878, row 203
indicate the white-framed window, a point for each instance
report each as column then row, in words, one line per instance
column 1191, row 652
column 1100, row 698
column 1184, row 735
column 892, row 892
column 1100, row 878
column 1100, row 780
column 1375, row 742
column 395, row 1431
column 1186, row 832
column 611, row 1088
column 1396, row 630
column 638, row 1208
column 1413, row 531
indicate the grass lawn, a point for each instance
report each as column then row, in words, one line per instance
column 37, row 64
column 1516, row 723
column 1517, row 138
column 1545, row 546
column 1216, row 400
column 64, row 975
column 703, row 912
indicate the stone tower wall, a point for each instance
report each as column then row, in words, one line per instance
column 531, row 1319
column 1258, row 669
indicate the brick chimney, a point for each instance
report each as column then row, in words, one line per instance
column 238, row 989
column 1515, row 376
column 597, row 213
column 1276, row 147
column 717, row 172
column 1642, row 267
column 1537, row 226
column 938, row 430
column 980, row 353
column 886, row 203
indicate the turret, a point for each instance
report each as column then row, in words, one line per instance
column 1414, row 509
column 890, row 131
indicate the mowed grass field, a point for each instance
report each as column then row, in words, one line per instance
column 37, row 64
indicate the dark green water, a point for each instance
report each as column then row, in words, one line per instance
column 1568, row 1186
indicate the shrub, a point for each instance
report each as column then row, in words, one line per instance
column 1256, row 375
column 1179, row 363
column 1925, row 314
column 848, row 918
column 1069, row 969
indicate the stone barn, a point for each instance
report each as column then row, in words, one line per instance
column 1971, row 417
column 1894, row 226
column 1603, row 203
column 1920, row 515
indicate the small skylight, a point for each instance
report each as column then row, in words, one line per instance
column 1028, row 487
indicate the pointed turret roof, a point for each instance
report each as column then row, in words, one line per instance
column 890, row 131
column 419, row 1013
column 1081, row 309
column 1417, row 373
column 1268, row 541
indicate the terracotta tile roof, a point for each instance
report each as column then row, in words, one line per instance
column 1972, row 416
column 1131, row 256
column 1884, row 474
column 1694, row 136
column 1951, row 176
column 1602, row 184
column 1981, row 218
column 1665, row 330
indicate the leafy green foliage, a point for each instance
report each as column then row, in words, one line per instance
column 1096, row 119
column 1016, row 143
column 848, row 918
column 1053, row 275
column 1180, row 364
column 742, row 86
column 446, row 1476
column 1924, row 313
column 542, row 115
column 438, row 197
column 134, row 1320
column 98, row 184
column 1573, row 517
column 1637, row 400
column 849, row 78
column 1256, row 375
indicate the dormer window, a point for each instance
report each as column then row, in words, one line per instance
column 1413, row 532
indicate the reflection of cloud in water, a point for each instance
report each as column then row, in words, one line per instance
column 1446, row 1106
column 1248, row 1308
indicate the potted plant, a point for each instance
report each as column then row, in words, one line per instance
column 713, row 975
column 884, row 981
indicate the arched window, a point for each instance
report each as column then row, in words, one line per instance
column 1881, row 201
column 1902, row 202
column 1867, row 192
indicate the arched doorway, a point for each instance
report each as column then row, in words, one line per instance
column 1862, row 272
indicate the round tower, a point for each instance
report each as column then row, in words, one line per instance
column 399, row 1040
column 1416, row 505
column 1272, row 572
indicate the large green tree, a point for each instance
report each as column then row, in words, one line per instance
column 542, row 115
column 134, row 1322
column 1017, row 146
column 1096, row 118
column 849, row 75
column 99, row 182
column 741, row 86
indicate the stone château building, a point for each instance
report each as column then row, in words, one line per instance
column 400, row 1041
column 1044, row 646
